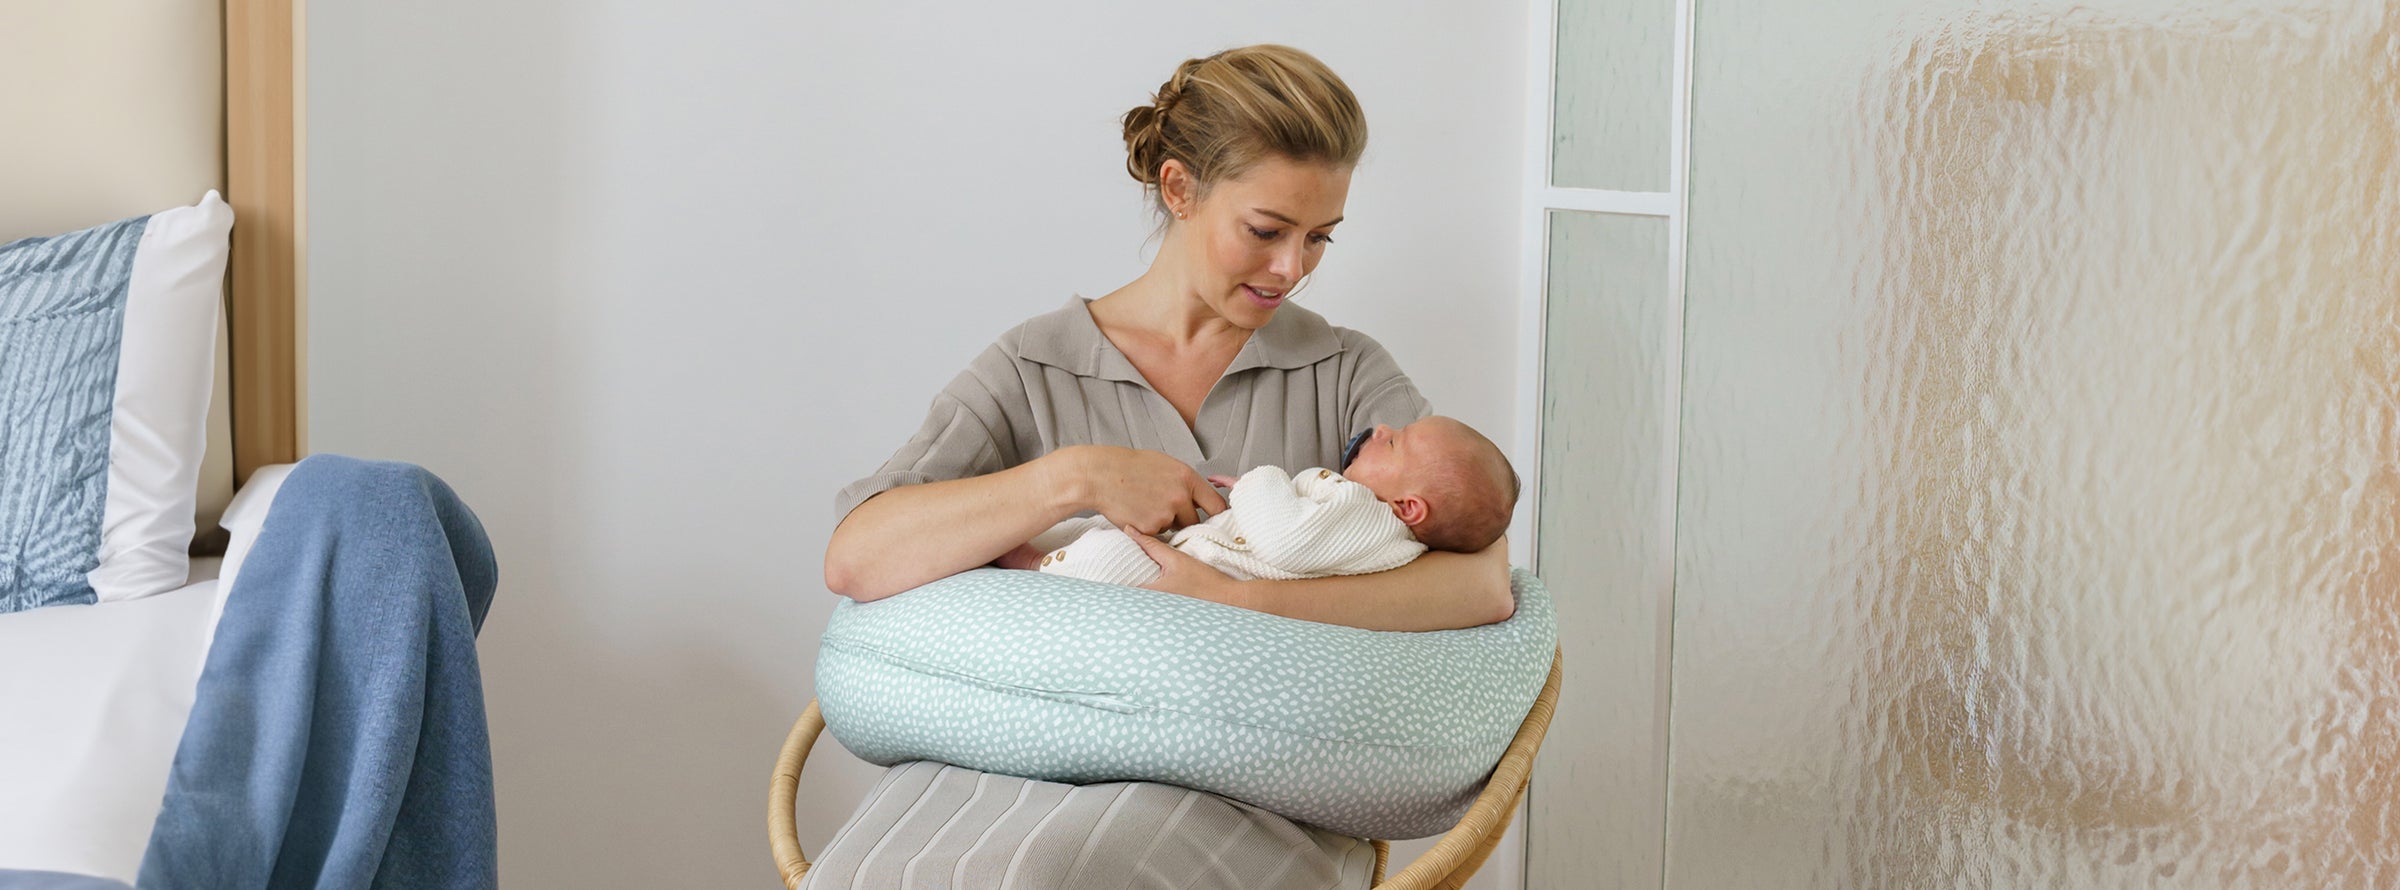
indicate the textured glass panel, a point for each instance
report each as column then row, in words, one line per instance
column 1603, row 545
column 2040, row 490
column 1615, row 89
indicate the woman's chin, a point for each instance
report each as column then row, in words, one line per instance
column 1245, row 313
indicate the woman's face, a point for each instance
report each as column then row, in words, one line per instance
column 1253, row 238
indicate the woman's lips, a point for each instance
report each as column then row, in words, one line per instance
column 1260, row 297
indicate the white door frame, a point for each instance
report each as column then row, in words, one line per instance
column 1540, row 198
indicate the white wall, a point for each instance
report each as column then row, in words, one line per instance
column 648, row 282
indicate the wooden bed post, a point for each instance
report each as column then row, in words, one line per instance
column 262, row 182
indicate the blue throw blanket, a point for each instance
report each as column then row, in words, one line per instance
column 338, row 736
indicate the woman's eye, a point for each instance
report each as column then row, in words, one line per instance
column 1264, row 234
column 1320, row 238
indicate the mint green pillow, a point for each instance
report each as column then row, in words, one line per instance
column 1367, row 733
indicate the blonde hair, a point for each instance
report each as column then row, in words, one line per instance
column 1221, row 114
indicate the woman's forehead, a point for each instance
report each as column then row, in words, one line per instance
column 1301, row 194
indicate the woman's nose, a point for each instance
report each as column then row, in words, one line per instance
column 1290, row 263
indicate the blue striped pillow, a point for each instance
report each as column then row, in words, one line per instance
column 62, row 317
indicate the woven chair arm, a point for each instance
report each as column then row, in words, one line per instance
column 783, row 831
column 1460, row 852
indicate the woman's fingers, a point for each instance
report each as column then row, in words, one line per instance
column 1151, row 545
column 1150, row 490
column 1145, row 524
column 1207, row 497
column 1157, row 550
column 1180, row 573
column 1199, row 498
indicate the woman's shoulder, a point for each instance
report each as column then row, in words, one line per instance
column 1308, row 332
column 1378, row 389
column 1000, row 372
column 1061, row 337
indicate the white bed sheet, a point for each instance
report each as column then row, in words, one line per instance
column 93, row 700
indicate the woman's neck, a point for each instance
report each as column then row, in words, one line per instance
column 1162, row 304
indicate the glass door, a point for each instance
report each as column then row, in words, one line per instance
column 2032, row 452
column 1605, row 269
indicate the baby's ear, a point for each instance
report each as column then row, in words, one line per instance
column 1411, row 509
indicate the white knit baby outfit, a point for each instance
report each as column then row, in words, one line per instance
column 1309, row 525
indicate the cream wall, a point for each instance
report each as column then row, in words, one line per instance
column 648, row 282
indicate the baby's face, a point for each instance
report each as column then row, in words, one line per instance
column 1388, row 459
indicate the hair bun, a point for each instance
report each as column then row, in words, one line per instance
column 1146, row 125
column 1145, row 142
column 1218, row 114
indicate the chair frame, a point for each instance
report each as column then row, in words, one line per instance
column 1448, row 865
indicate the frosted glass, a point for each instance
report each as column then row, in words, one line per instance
column 2039, row 499
column 1599, row 798
column 1615, row 90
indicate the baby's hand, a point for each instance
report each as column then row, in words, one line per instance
column 1024, row 558
column 1225, row 482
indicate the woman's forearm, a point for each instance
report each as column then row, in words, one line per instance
column 1436, row 591
column 919, row 533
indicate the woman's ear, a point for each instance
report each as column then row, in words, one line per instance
column 1177, row 188
column 1411, row 509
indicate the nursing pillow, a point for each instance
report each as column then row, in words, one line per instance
column 1367, row 733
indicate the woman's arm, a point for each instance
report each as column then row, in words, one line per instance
column 919, row 533
column 1437, row 591
column 914, row 534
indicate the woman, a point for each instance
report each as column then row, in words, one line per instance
column 1121, row 406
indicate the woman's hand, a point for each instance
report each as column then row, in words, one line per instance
column 1182, row 574
column 1148, row 490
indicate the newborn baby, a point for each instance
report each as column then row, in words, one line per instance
column 1434, row 484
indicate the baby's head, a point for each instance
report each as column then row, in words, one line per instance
column 1451, row 486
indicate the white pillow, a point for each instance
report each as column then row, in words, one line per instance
column 158, row 427
column 246, row 516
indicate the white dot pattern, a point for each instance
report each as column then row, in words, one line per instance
column 1366, row 733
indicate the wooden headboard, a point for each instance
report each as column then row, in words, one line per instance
column 263, row 97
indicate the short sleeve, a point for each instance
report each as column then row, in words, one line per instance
column 965, row 434
column 1380, row 391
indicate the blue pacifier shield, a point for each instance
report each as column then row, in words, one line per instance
column 1350, row 451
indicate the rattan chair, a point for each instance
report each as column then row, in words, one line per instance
column 1453, row 859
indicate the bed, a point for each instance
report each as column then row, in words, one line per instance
column 112, row 685
column 136, row 106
